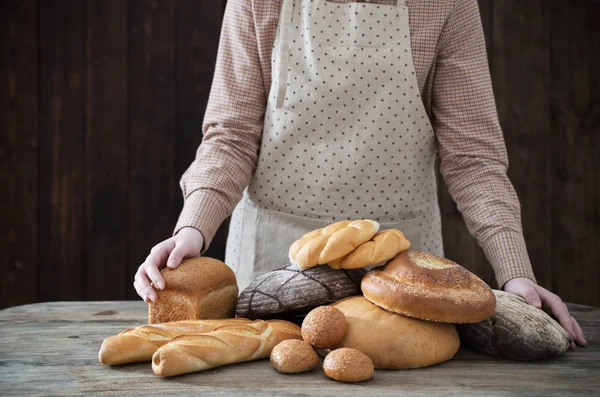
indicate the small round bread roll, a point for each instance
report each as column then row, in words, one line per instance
column 348, row 365
column 292, row 356
column 324, row 327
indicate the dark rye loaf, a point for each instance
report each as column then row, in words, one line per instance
column 289, row 293
column 516, row 330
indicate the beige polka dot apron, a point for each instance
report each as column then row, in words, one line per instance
column 346, row 135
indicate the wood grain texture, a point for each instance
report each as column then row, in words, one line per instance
column 18, row 152
column 62, row 50
column 153, row 184
column 52, row 349
column 575, row 132
column 107, row 151
column 198, row 32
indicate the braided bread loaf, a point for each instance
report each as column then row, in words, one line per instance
column 227, row 345
column 324, row 245
column 384, row 246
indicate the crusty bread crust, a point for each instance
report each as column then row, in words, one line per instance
column 394, row 341
column 293, row 356
column 200, row 288
column 139, row 344
column 226, row 345
column 324, row 327
column 348, row 365
column 428, row 287
column 324, row 245
column 382, row 247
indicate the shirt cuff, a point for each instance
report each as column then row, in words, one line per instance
column 508, row 255
column 203, row 212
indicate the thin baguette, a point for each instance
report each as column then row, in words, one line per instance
column 227, row 345
column 139, row 344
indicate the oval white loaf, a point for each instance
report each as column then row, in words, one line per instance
column 394, row 341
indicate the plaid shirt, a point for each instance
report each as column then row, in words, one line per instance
column 450, row 59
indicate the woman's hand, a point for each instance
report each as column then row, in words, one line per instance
column 185, row 244
column 542, row 298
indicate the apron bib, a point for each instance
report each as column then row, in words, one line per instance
column 346, row 136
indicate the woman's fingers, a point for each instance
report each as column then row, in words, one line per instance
column 154, row 274
column 556, row 306
column 143, row 287
column 187, row 243
column 176, row 257
column 149, row 270
column 580, row 336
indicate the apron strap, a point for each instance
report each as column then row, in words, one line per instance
column 284, row 48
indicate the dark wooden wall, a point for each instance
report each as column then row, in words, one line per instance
column 101, row 106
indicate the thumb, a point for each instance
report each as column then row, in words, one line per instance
column 175, row 258
column 533, row 298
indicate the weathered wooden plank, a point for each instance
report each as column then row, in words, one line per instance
column 62, row 147
column 575, row 134
column 51, row 349
column 459, row 245
column 198, row 31
column 106, row 151
column 153, row 187
column 521, row 87
column 18, row 152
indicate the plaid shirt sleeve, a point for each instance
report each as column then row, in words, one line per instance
column 471, row 145
column 225, row 161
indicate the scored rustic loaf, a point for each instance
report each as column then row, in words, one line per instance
column 324, row 245
column 139, row 344
column 228, row 345
column 429, row 287
column 382, row 247
column 290, row 293
column 516, row 330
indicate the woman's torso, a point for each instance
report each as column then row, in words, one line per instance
column 427, row 20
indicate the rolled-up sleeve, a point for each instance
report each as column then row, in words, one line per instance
column 226, row 159
column 473, row 158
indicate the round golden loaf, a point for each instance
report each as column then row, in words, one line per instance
column 324, row 245
column 428, row 287
column 394, row 341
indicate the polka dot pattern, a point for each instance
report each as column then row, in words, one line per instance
column 353, row 139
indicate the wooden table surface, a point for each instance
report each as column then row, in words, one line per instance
column 52, row 349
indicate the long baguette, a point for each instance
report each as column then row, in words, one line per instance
column 227, row 345
column 139, row 344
